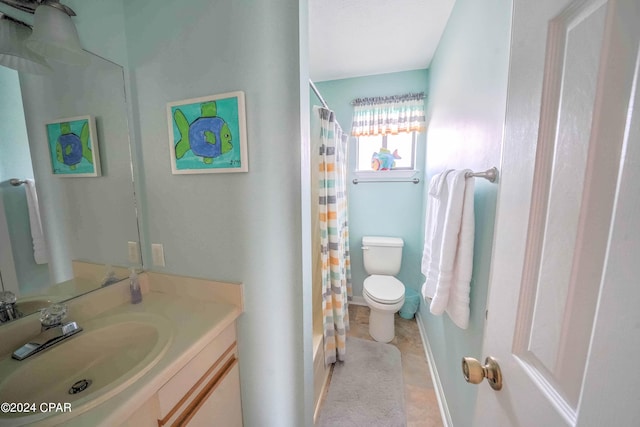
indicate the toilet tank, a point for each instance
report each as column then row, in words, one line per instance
column 382, row 255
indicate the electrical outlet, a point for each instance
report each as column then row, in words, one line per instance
column 157, row 253
column 134, row 253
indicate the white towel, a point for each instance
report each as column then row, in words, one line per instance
column 447, row 260
column 40, row 253
column 436, row 208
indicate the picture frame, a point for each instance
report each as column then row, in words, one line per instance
column 73, row 147
column 208, row 134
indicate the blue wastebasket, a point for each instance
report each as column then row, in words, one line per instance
column 411, row 303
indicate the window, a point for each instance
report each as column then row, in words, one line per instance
column 386, row 152
column 386, row 129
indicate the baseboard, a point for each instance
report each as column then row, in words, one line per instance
column 323, row 392
column 320, row 372
column 437, row 384
column 357, row 301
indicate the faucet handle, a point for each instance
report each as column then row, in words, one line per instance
column 53, row 315
column 8, row 310
column 7, row 297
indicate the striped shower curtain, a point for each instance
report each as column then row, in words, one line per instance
column 334, row 231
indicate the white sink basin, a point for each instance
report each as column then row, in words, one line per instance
column 109, row 355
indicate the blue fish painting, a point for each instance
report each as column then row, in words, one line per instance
column 208, row 136
column 71, row 148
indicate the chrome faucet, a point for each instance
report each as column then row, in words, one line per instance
column 8, row 310
column 53, row 331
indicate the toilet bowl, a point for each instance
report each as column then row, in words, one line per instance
column 385, row 296
column 383, row 293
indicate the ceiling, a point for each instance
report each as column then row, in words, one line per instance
column 351, row 38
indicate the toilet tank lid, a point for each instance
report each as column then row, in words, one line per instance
column 395, row 242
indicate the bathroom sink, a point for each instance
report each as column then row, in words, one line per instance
column 109, row 355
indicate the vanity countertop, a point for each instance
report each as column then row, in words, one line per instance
column 194, row 319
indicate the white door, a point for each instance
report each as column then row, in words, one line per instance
column 564, row 299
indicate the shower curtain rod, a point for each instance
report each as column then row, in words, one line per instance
column 324, row 103
column 317, row 92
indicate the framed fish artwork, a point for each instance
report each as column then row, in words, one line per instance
column 208, row 134
column 73, row 147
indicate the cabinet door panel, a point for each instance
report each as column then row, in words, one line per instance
column 173, row 392
column 222, row 407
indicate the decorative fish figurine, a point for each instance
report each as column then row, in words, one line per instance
column 384, row 160
column 208, row 136
column 71, row 148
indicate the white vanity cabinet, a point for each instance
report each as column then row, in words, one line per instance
column 205, row 392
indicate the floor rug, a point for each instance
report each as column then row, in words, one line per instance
column 367, row 389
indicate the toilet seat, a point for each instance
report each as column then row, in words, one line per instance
column 384, row 289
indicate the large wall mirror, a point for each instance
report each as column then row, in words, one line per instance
column 87, row 222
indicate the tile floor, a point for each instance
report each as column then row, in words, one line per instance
column 420, row 397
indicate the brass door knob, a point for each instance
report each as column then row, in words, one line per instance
column 474, row 372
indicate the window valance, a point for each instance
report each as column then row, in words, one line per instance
column 388, row 115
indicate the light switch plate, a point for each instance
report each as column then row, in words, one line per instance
column 157, row 253
column 134, row 253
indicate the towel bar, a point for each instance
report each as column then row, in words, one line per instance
column 490, row 174
column 17, row 182
column 414, row 180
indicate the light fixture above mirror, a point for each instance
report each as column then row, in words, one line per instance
column 54, row 36
column 13, row 52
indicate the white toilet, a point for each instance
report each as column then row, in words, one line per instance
column 383, row 293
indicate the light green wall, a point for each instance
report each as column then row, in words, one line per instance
column 240, row 227
column 101, row 28
column 382, row 209
column 466, row 111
